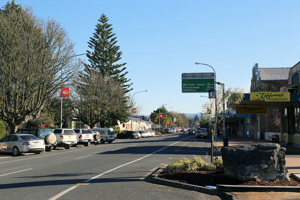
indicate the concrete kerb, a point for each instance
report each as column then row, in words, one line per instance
column 223, row 191
column 154, row 179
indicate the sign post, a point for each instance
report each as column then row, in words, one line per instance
column 200, row 83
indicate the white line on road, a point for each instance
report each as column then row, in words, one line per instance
column 16, row 172
column 82, row 157
column 99, row 175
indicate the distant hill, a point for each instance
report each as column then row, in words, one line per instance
column 191, row 115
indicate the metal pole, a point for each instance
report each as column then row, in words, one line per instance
column 224, row 125
column 216, row 119
column 159, row 119
column 61, row 98
column 132, row 105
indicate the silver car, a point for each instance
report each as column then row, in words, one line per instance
column 21, row 143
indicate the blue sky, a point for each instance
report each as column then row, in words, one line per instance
column 161, row 39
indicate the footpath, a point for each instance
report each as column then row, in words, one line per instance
column 292, row 158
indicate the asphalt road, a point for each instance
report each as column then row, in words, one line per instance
column 104, row 171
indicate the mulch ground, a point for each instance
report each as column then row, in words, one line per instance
column 204, row 178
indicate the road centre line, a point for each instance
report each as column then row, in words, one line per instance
column 181, row 146
column 120, row 166
column 16, row 172
column 82, row 157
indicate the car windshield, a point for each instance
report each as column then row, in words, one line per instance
column 29, row 137
column 69, row 132
column 57, row 131
column 110, row 132
column 86, row 131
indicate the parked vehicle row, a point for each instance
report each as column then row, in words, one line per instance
column 135, row 134
column 39, row 140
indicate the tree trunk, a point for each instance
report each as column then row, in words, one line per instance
column 13, row 128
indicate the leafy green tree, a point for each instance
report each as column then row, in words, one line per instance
column 98, row 97
column 35, row 60
column 104, row 57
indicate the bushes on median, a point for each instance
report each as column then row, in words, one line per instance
column 194, row 164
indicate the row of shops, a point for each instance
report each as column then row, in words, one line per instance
column 271, row 108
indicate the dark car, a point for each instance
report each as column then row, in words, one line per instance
column 191, row 131
column 129, row 135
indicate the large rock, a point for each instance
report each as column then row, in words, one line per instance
column 258, row 162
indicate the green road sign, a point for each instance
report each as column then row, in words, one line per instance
column 197, row 82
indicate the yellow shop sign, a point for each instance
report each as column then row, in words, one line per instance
column 270, row 96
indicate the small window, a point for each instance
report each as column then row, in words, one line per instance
column 57, row 131
column 69, row 132
column 86, row 131
column 13, row 138
column 6, row 139
column 29, row 137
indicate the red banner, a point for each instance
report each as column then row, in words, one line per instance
column 65, row 92
column 133, row 110
column 160, row 115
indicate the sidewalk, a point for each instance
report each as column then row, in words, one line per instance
column 292, row 158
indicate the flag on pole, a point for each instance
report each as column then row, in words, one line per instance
column 65, row 92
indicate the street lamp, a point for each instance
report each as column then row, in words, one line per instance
column 132, row 105
column 61, row 98
column 159, row 115
column 216, row 120
column 225, row 140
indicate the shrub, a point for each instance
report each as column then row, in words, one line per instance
column 208, row 167
column 218, row 163
column 195, row 164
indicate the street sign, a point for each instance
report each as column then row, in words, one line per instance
column 197, row 82
column 133, row 110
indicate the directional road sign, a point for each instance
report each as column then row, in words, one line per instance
column 198, row 82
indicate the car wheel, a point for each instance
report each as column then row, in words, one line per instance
column 48, row 149
column 110, row 142
column 16, row 151
column 38, row 152
column 87, row 144
column 102, row 141
column 67, row 147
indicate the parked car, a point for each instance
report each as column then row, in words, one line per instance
column 106, row 134
column 65, row 138
column 202, row 133
column 145, row 133
column 21, row 143
column 191, row 132
column 166, row 130
column 172, row 130
column 84, row 136
column 43, row 133
column 152, row 133
column 129, row 135
column 97, row 137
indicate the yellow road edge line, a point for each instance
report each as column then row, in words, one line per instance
column 82, row 184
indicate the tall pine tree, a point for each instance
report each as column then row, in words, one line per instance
column 104, row 57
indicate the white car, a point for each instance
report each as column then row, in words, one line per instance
column 65, row 138
column 84, row 136
column 21, row 143
column 106, row 134
column 145, row 133
column 152, row 133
